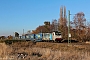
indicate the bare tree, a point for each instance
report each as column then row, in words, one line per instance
column 54, row 25
column 16, row 35
column 79, row 25
column 88, row 32
column 63, row 22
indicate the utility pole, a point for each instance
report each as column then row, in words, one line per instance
column 68, row 26
column 23, row 31
column 13, row 35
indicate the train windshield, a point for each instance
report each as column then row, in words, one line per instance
column 57, row 33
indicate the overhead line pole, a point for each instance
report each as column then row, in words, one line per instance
column 68, row 25
column 23, row 31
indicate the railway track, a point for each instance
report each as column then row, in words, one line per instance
column 55, row 43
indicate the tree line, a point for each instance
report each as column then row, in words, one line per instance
column 79, row 29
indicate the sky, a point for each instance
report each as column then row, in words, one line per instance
column 16, row 15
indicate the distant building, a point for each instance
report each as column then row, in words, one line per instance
column 47, row 23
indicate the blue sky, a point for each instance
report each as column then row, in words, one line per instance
column 16, row 15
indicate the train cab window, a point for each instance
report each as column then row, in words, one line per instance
column 58, row 33
column 53, row 33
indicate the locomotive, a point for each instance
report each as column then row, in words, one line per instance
column 55, row 36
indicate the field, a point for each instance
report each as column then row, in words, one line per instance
column 44, row 51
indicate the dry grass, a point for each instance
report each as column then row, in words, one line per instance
column 3, row 48
column 49, row 54
column 45, row 51
column 4, row 51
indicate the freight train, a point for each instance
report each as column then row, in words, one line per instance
column 55, row 36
